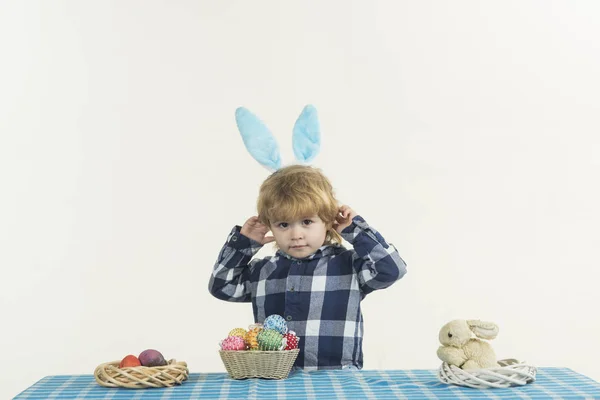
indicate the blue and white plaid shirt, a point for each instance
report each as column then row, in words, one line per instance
column 319, row 296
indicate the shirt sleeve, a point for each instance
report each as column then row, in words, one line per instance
column 230, row 279
column 377, row 263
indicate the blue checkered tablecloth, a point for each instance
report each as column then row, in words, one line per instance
column 551, row 383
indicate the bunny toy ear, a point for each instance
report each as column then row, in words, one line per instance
column 306, row 137
column 483, row 329
column 258, row 139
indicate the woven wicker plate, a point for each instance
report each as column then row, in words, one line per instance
column 243, row 364
column 110, row 375
column 510, row 373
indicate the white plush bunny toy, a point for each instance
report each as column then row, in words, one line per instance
column 460, row 348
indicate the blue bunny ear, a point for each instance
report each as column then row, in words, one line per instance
column 306, row 137
column 258, row 139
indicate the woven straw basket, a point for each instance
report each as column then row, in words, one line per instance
column 510, row 373
column 243, row 364
column 110, row 375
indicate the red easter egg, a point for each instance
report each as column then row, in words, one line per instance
column 291, row 341
column 129, row 361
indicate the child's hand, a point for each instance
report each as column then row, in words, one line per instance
column 344, row 218
column 256, row 231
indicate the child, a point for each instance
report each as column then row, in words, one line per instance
column 312, row 280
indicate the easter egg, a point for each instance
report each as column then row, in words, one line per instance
column 276, row 322
column 233, row 343
column 241, row 332
column 269, row 340
column 152, row 358
column 129, row 361
column 291, row 340
column 251, row 338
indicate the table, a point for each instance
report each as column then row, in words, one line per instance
column 551, row 383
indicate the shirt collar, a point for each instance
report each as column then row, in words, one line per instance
column 323, row 251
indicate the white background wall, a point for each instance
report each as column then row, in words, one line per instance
column 466, row 132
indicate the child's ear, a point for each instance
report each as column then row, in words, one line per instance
column 330, row 232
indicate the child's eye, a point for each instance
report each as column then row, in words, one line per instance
column 282, row 224
column 307, row 222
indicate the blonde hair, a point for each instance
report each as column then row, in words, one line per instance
column 295, row 192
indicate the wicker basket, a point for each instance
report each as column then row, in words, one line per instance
column 110, row 375
column 243, row 364
column 510, row 373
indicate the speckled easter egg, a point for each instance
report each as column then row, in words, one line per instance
column 241, row 332
column 233, row 343
column 269, row 340
column 291, row 340
column 276, row 322
column 251, row 338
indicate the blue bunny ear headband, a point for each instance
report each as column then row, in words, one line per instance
column 262, row 146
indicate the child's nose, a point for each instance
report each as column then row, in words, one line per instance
column 296, row 233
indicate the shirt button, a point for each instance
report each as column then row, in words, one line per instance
column 233, row 239
column 291, row 289
column 289, row 318
column 298, row 262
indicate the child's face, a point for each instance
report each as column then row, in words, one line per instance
column 300, row 238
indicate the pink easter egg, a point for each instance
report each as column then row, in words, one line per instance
column 233, row 343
